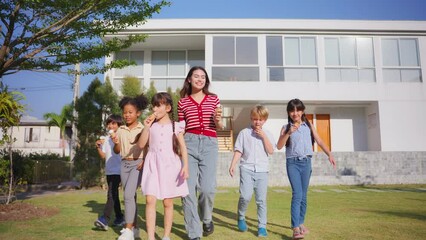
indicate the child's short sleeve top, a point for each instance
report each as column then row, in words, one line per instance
column 300, row 142
column 112, row 160
column 128, row 138
column 254, row 156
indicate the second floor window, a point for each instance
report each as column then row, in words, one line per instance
column 401, row 60
column 291, row 59
column 349, row 59
column 133, row 70
column 235, row 58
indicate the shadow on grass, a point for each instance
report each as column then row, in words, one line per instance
column 416, row 216
column 251, row 223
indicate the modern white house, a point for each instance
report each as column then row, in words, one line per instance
column 362, row 83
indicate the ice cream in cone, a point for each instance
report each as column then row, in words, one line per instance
column 297, row 124
column 152, row 117
column 111, row 133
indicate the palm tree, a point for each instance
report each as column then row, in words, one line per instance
column 60, row 121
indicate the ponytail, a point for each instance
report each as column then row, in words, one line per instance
column 176, row 145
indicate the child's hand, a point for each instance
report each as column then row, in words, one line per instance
column 293, row 128
column 139, row 167
column 115, row 139
column 184, row 173
column 259, row 132
column 99, row 143
column 231, row 171
column 332, row 161
column 149, row 120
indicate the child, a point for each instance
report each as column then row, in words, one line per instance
column 165, row 175
column 132, row 159
column 112, row 171
column 200, row 109
column 298, row 136
column 253, row 146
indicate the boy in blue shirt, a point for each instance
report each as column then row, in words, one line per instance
column 112, row 170
column 253, row 146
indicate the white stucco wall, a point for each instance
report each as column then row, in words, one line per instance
column 402, row 125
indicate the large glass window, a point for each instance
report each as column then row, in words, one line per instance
column 235, row 58
column 401, row 60
column 169, row 68
column 291, row 59
column 349, row 59
column 133, row 70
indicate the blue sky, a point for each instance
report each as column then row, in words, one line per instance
column 49, row 92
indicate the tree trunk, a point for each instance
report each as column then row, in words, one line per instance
column 63, row 145
column 9, row 196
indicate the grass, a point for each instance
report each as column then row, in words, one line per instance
column 378, row 212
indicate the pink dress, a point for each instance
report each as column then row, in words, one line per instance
column 161, row 171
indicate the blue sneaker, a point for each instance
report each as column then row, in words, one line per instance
column 242, row 225
column 102, row 223
column 261, row 232
column 119, row 222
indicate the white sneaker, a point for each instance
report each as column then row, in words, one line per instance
column 136, row 232
column 126, row 234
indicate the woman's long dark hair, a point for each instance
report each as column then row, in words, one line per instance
column 187, row 88
column 299, row 106
column 166, row 99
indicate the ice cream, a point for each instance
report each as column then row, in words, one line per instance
column 297, row 124
column 152, row 116
column 102, row 138
column 111, row 133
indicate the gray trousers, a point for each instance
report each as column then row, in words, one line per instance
column 202, row 160
column 257, row 181
column 130, row 180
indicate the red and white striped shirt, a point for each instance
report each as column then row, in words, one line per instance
column 199, row 118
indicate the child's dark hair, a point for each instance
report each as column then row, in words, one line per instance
column 114, row 118
column 187, row 89
column 140, row 102
column 299, row 106
column 165, row 98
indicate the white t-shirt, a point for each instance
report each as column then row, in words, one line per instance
column 112, row 160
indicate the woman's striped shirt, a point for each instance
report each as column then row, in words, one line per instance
column 199, row 117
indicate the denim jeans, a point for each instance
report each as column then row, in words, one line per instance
column 202, row 160
column 253, row 181
column 299, row 171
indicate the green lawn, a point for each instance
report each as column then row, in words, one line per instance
column 334, row 212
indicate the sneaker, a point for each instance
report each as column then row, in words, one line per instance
column 242, row 225
column 136, row 233
column 119, row 222
column 101, row 223
column 165, row 238
column 261, row 232
column 208, row 228
column 297, row 234
column 126, row 234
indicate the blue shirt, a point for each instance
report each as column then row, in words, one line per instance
column 300, row 142
column 254, row 156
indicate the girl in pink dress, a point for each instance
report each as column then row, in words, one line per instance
column 164, row 173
